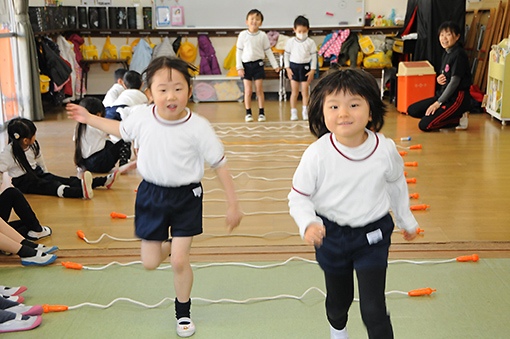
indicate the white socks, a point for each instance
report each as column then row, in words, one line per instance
column 305, row 112
column 60, row 190
column 338, row 334
column 293, row 114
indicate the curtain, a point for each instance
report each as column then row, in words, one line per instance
column 30, row 96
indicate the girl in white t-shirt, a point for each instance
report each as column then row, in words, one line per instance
column 341, row 194
column 173, row 144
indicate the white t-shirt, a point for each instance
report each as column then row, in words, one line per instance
column 9, row 165
column 252, row 47
column 112, row 94
column 300, row 52
column 172, row 153
column 131, row 97
column 92, row 141
column 350, row 186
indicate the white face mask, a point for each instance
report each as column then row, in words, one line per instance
column 302, row 36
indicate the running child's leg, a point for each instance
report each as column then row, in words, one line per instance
column 154, row 252
column 305, row 94
column 259, row 90
column 248, row 90
column 294, row 85
column 183, row 274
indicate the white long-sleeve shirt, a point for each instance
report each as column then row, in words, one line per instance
column 252, row 47
column 350, row 186
column 92, row 141
column 300, row 52
column 9, row 165
column 112, row 94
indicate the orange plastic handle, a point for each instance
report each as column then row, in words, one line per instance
column 419, row 207
column 472, row 257
column 81, row 234
column 118, row 215
column 421, row 291
column 402, row 153
column 54, row 308
column 405, row 174
column 73, row 265
column 411, row 181
column 415, row 146
column 412, row 163
column 419, row 230
column 414, row 195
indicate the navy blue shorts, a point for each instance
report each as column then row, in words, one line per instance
column 254, row 70
column 299, row 71
column 157, row 208
column 346, row 248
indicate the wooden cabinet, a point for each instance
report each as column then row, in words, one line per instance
column 498, row 83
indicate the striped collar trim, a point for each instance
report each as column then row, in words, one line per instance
column 171, row 122
column 351, row 159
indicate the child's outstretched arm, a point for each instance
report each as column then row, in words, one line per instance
column 234, row 213
column 80, row 114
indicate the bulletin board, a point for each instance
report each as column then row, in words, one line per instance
column 231, row 14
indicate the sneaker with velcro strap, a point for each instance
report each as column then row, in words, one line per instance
column 185, row 327
column 33, row 235
column 20, row 323
column 40, row 259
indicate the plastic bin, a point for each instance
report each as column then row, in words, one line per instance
column 416, row 81
column 210, row 88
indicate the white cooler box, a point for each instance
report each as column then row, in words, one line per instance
column 211, row 88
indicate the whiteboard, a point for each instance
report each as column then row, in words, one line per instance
column 231, row 14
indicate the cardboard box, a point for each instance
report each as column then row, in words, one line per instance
column 416, row 81
column 210, row 88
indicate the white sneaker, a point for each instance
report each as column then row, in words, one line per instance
column 86, row 185
column 20, row 323
column 262, row 117
column 110, row 179
column 26, row 310
column 40, row 259
column 248, row 118
column 293, row 116
column 185, row 327
column 305, row 115
column 45, row 249
column 9, row 291
column 463, row 123
column 33, row 235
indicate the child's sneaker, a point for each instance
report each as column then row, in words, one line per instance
column 26, row 310
column 47, row 250
column 86, row 185
column 33, row 235
column 293, row 116
column 464, row 120
column 185, row 327
column 5, row 290
column 305, row 115
column 110, row 179
column 40, row 259
column 15, row 298
column 20, row 323
column 248, row 118
column 262, row 117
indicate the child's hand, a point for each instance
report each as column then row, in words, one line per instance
column 432, row 108
column 309, row 75
column 234, row 216
column 240, row 72
column 277, row 69
column 77, row 112
column 409, row 235
column 289, row 72
column 314, row 234
column 441, row 79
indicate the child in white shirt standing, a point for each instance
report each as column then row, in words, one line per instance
column 252, row 44
column 300, row 59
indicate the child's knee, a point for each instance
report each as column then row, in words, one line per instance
column 179, row 263
column 150, row 264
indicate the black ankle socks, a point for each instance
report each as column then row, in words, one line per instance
column 25, row 252
column 261, row 111
column 29, row 243
column 182, row 309
column 248, row 111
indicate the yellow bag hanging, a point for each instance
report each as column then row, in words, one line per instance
column 44, row 81
column 90, row 52
column 109, row 52
column 126, row 52
column 187, row 52
column 230, row 60
column 366, row 44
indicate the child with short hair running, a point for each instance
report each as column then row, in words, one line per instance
column 341, row 195
column 22, row 159
column 173, row 145
column 300, row 60
column 252, row 44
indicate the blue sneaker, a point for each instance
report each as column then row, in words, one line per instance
column 40, row 259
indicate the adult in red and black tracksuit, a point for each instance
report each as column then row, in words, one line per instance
column 452, row 98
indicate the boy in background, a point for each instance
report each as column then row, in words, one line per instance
column 300, row 59
column 252, row 44
column 117, row 88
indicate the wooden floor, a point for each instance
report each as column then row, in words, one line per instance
column 462, row 175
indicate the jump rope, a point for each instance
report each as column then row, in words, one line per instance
column 261, row 143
